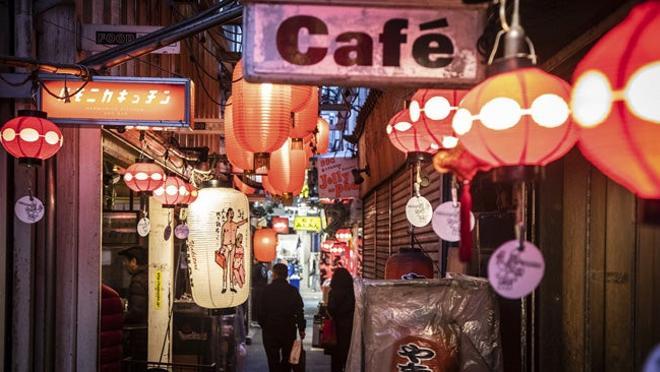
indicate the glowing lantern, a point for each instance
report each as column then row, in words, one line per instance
column 300, row 95
column 144, row 176
column 343, row 235
column 219, row 247
column 31, row 137
column 280, row 225
column 516, row 118
column 265, row 245
column 616, row 99
column 322, row 136
column 304, row 121
column 261, row 116
column 242, row 186
column 174, row 191
column 287, row 169
column 190, row 196
column 235, row 154
column 431, row 110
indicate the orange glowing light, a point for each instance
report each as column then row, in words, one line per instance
column 120, row 102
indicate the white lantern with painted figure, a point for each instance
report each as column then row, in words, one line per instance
column 219, row 247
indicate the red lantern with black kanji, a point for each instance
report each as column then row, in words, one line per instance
column 31, row 137
column 616, row 101
column 172, row 192
column 261, row 116
column 516, row 118
column 265, row 245
column 145, row 176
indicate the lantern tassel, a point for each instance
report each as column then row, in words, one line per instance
column 465, row 250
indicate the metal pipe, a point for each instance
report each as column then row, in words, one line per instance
column 48, row 67
column 214, row 16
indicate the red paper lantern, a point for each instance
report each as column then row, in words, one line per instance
column 409, row 263
column 516, row 118
column 432, row 110
column 31, row 137
column 172, row 192
column 242, row 186
column 287, row 169
column 304, row 121
column 280, row 225
column 343, row 235
column 190, row 196
column 328, row 244
column 261, row 115
column 265, row 182
column 239, row 158
column 322, row 136
column 265, row 245
column 144, row 176
column 301, row 94
column 616, row 100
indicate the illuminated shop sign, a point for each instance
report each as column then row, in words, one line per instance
column 374, row 44
column 301, row 223
column 119, row 100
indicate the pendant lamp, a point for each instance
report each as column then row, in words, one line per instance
column 322, row 136
column 172, row 192
column 31, row 137
column 144, row 176
column 265, row 245
column 304, row 121
column 616, row 101
column 519, row 116
column 219, row 247
column 261, row 116
column 287, row 169
column 238, row 157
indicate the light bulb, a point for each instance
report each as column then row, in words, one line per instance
column 500, row 113
column 462, row 122
column 549, row 110
column 437, row 108
column 591, row 99
column 414, row 111
column 643, row 93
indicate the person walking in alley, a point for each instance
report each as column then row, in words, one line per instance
column 280, row 312
column 341, row 304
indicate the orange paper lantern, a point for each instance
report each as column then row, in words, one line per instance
column 322, row 136
column 616, row 101
column 238, row 157
column 261, row 115
column 516, row 118
column 287, row 169
column 304, row 121
column 265, row 245
column 242, row 186
column 300, row 95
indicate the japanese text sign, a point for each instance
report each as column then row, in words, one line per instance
column 118, row 100
column 335, row 178
column 307, row 223
column 367, row 45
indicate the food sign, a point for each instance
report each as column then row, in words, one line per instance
column 119, row 100
column 336, row 179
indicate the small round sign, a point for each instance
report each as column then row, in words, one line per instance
column 29, row 209
column 143, row 227
column 515, row 273
column 419, row 211
column 181, row 231
column 447, row 221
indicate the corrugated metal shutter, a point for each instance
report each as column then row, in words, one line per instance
column 386, row 228
column 369, row 243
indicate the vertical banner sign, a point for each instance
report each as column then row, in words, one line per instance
column 336, row 179
column 219, row 248
column 403, row 43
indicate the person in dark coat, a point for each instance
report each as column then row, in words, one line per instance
column 135, row 262
column 112, row 321
column 280, row 312
column 341, row 305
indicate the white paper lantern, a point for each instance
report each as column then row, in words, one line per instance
column 219, row 247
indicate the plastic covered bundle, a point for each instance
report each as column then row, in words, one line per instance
column 433, row 325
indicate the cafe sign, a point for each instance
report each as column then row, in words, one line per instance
column 419, row 43
column 118, row 100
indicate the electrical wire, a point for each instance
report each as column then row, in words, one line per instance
column 30, row 76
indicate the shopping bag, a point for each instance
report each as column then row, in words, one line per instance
column 220, row 259
column 328, row 334
column 300, row 367
column 294, row 356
